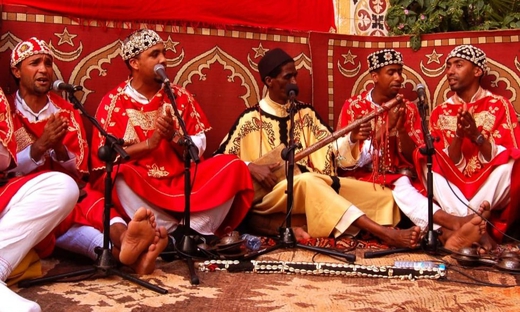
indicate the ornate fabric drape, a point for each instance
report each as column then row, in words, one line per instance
column 316, row 15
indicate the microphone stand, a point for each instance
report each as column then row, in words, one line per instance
column 286, row 237
column 430, row 242
column 105, row 263
column 187, row 246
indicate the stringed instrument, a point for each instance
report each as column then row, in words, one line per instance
column 274, row 156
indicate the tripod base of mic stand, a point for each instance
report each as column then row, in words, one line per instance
column 430, row 243
column 287, row 240
column 105, row 264
column 187, row 247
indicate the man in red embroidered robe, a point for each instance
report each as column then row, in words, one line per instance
column 476, row 153
column 140, row 112
column 31, row 206
column 50, row 136
column 383, row 148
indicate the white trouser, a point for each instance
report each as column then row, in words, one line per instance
column 415, row 205
column 11, row 301
column 31, row 214
column 205, row 222
column 82, row 240
column 412, row 203
column 495, row 190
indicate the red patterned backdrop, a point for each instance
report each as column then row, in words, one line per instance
column 219, row 65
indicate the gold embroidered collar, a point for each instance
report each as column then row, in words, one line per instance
column 477, row 96
column 273, row 108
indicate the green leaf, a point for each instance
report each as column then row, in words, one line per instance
column 450, row 15
column 415, row 42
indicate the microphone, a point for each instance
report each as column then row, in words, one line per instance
column 60, row 85
column 421, row 94
column 291, row 90
column 161, row 72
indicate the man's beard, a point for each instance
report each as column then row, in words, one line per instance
column 41, row 90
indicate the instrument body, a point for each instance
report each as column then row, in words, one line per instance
column 274, row 156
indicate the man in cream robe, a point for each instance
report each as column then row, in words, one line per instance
column 331, row 204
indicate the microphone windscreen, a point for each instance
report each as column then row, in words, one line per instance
column 157, row 68
column 161, row 72
column 291, row 87
column 56, row 85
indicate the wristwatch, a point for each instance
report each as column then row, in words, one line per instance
column 479, row 140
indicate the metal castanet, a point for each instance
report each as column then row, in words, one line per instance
column 274, row 156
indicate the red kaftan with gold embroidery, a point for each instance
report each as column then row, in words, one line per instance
column 8, row 140
column 13, row 185
column 496, row 119
column 392, row 159
column 89, row 211
column 159, row 176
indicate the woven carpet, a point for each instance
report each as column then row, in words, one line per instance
column 241, row 291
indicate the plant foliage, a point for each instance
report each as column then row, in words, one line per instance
column 418, row 17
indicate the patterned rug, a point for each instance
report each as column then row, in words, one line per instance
column 224, row 291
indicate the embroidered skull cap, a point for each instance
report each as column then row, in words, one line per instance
column 138, row 42
column 271, row 60
column 29, row 47
column 470, row 53
column 383, row 58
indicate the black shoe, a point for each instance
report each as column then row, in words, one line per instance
column 169, row 253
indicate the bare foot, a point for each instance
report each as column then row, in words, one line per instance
column 485, row 209
column 460, row 221
column 401, row 238
column 145, row 264
column 468, row 234
column 138, row 237
column 300, row 233
column 487, row 244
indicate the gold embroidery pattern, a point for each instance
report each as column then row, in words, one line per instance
column 23, row 139
column 6, row 117
column 199, row 127
column 509, row 125
column 75, row 128
column 145, row 120
column 486, row 119
column 415, row 133
column 447, row 123
column 254, row 125
column 110, row 108
column 130, row 136
column 316, row 129
column 157, row 172
column 472, row 167
column 495, row 134
column 169, row 107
